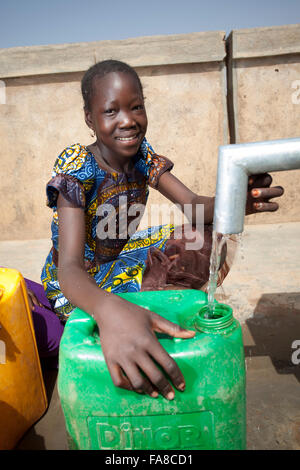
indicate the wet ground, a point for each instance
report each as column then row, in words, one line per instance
column 263, row 288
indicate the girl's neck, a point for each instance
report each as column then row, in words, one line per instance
column 116, row 164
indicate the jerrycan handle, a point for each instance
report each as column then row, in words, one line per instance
column 86, row 325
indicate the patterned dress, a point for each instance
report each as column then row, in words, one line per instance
column 117, row 264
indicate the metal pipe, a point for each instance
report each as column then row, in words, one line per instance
column 235, row 164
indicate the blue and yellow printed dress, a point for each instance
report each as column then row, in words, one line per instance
column 117, row 264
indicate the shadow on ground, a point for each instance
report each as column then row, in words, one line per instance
column 273, row 375
column 275, row 329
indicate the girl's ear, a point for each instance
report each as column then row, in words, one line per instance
column 88, row 119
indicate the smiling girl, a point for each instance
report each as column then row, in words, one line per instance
column 85, row 270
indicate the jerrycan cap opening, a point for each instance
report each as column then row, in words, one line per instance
column 221, row 318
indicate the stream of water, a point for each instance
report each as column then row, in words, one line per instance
column 218, row 241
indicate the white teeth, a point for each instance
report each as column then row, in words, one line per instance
column 126, row 138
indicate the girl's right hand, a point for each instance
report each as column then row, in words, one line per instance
column 131, row 348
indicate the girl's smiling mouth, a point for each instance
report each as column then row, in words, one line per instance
column 131, row 138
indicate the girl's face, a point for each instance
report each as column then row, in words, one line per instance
column 117, row 115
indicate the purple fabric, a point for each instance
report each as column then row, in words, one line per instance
column 48, row 328
column 69, row 186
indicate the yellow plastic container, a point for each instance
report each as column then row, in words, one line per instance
column 23, row 398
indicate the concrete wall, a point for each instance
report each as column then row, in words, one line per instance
column 264, row 76
column 184, row 84
column 184, row 78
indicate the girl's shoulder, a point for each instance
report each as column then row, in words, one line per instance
column 72, row 159
column 74, row 175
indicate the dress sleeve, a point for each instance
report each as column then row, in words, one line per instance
column 70, row 176
column 151, row 165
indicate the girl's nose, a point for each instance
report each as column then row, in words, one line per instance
column 126, row 120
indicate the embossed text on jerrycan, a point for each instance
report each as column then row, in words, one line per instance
column 209, row 414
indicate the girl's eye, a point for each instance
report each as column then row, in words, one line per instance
column 139, row 106
column 109, row 111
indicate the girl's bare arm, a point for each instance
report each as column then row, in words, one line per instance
column 173, row 189
column 258, row 200
column 127, row 331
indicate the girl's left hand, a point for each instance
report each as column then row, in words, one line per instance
column 260, row 193
column 33, row 300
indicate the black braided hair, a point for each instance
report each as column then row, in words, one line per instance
column 99, row 70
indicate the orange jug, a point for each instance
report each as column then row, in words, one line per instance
column 23, row 397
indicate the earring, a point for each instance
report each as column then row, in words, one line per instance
column 93, row 133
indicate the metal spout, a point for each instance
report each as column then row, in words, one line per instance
column 235, row 164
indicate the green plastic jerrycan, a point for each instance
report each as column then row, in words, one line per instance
column 209, row 414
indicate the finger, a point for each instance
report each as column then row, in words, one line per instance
column 139, row 383
column 31, row 305
column 38, row 302
column 161, row 325
column 265, row 206
column 119, row 379
column 156, row 376
column 260, row 181
column 267, row 193
column 34, row 298
column 170, row 366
